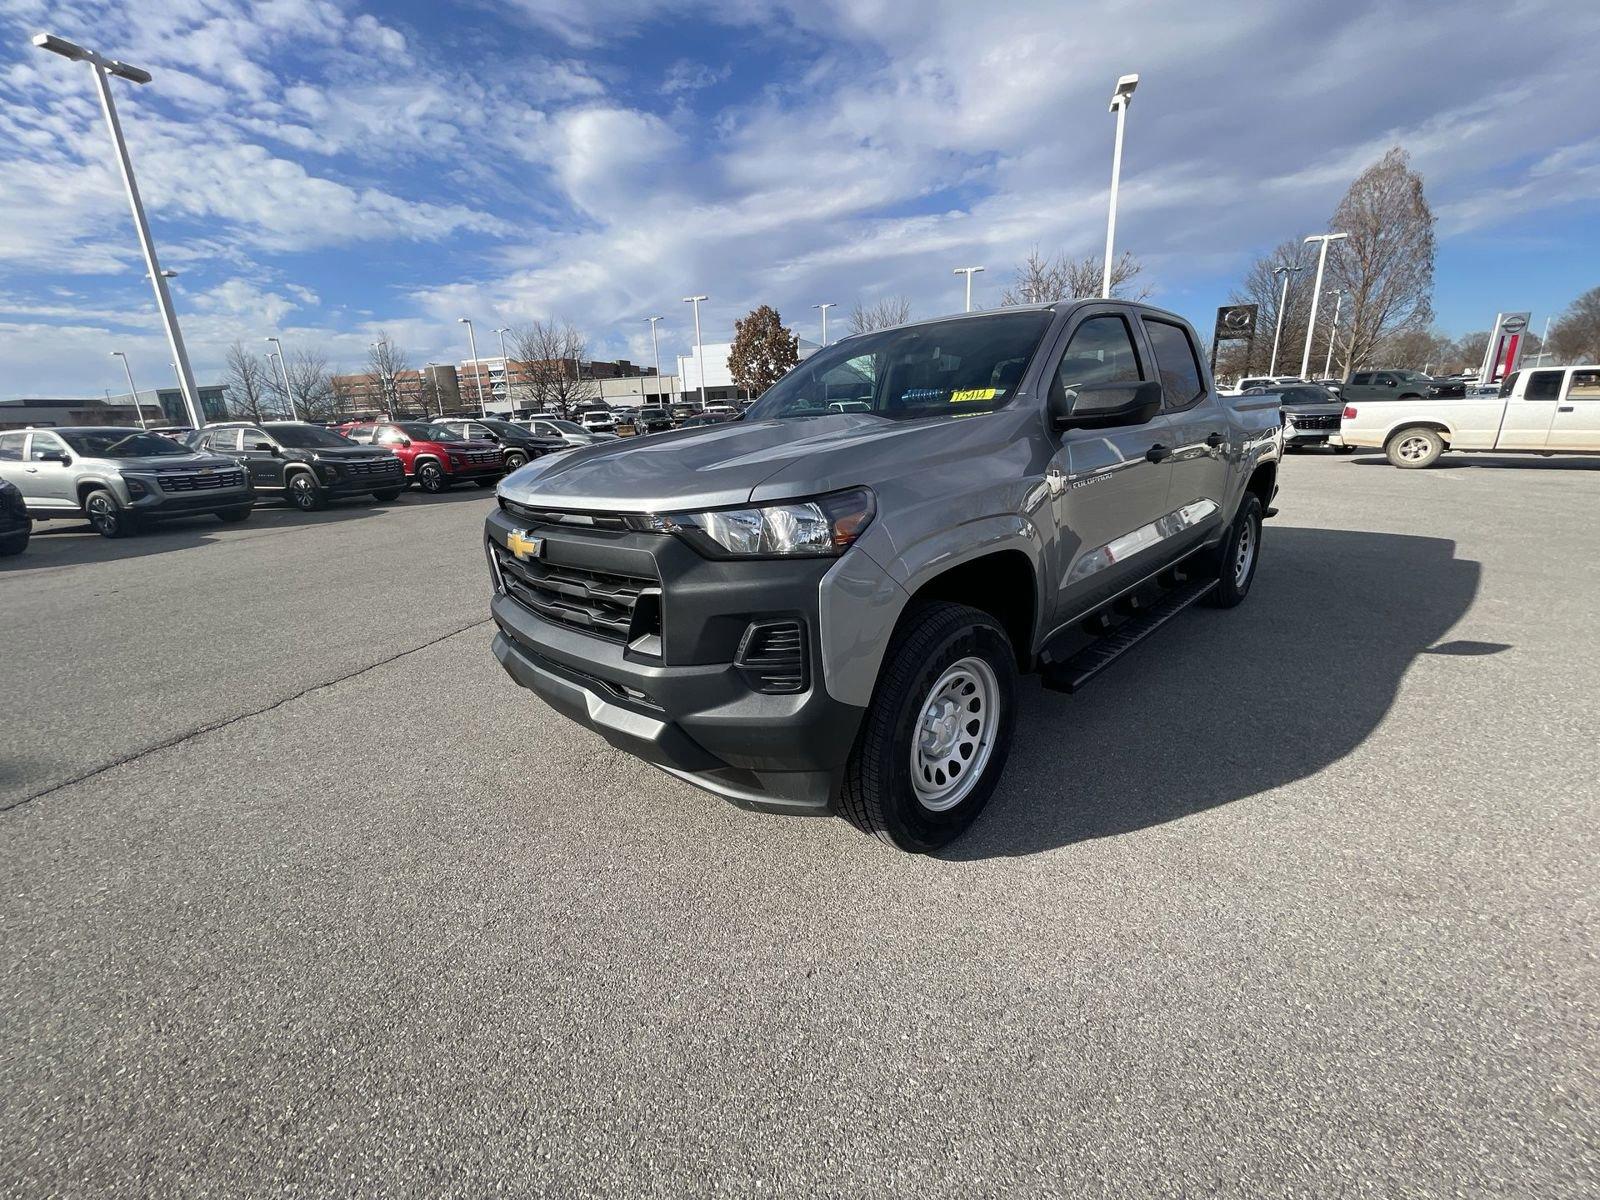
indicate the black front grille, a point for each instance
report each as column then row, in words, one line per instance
column 196, row 481
column 610, row 522
column 772, row 656
column 371, row 466
column 483, row 458
column 603, row 603
column 1313, row 423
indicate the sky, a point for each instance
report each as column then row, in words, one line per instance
column 327, row 171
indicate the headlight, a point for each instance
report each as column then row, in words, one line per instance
column 823, row 527
column 136, row 488
column 455, row 459
column 329, row 471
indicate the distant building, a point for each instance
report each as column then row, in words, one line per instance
column 433, row 390
column 160, row 407
column 716, row 372
column 604, row 380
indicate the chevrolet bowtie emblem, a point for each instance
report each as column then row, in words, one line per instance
column 522, row 545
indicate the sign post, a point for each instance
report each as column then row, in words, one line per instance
column 1504, row 351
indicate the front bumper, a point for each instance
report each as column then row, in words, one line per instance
column 459, row 474
column 687, row 708
column 188, row 503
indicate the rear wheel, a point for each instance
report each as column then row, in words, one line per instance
column 934, row 740
column 106, row 515
column 232, row 516
column 305, row 493
column 1415, row 448
column 14, row 544
column 1238, row 556
column 431, row 478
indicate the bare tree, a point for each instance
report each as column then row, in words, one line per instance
column 1576, row 334
column 1386, row 264
column 1263, row 288
column 246, row 387
column 310, row 385
column 551, row 355
column 881, row 314
column 386, row 364
column 1040, row 280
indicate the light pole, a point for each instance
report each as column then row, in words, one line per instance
column 1539, row 361
column 133, row 391
column 477, row 377
column 655, row 348
column 505, row 371
column 104, row 67
column 1333, row 330
column 1287, row 272
column 969, row 272
column 1316, row 291
column 825, row 308
column 283, row 371
column 1119, row 105
column 699, row 354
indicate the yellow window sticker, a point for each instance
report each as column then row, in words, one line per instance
column 974, row 394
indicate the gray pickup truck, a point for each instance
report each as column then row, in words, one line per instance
column 825, row 605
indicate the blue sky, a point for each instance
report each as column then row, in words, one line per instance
column 324, row 170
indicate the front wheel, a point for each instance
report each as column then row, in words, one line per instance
column 1238, row 556
column 105, row 515
column 934, row 740
column 305, row 493
column 515, row 459
column 431, row 478
column 1415, row 448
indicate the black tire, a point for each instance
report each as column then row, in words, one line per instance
column 1238, row 555
column 106, row 515
column 1414, row 447
column 14, row 544
column 515, row 459
column 305, row 493
column 430, row 477
column 232, row 516
column 387, row 494
column 879, row 796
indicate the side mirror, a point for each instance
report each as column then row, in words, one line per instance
column 1104, row 405
column 405, row 441
column 54, row 456
column 267, row 446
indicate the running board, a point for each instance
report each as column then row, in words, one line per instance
column 1078, row 670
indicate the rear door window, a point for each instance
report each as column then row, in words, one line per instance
column 1544, row 385
column 1176, row 362
column 1585, row 386
column 11, row 446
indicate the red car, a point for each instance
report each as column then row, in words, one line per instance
column 434, row 457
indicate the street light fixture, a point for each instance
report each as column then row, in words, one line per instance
column 655, row 347
column 1316, row 292
column 283, row 372
column 969, row 272
column 133, row 391
column 103, row 68
column 1119, row 105
column 824, row 308
column 699, row 354
column 477, row 376
column 1287, row 271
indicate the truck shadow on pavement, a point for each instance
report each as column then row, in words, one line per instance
column 1506, row 462
column 1224, row 705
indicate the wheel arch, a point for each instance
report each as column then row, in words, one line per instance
column 1002, row 583
column 94, row 484
column 1433, row 423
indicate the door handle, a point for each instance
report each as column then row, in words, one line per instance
column 1214, row 440
column 1565, row 408
column 1158, row 452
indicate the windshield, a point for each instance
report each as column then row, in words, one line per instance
column 1410, row 375
column 114, row 443
column 567, row 426
column 942, row 369
column 503, row 427
column 307, row 437
column 421, row 431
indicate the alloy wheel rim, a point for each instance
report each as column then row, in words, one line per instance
column 1414, row 448
column 303, row 491
column 102, row 516
column 429, row 477
column 954, row 736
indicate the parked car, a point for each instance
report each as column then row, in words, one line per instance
column 1310, row 414
column 652, row 418
column 683, row 410
column 701, row 420
column 15, row 523
column 1549, row 410
column 517, row 445
column 1400, row 385
column 597, row 420
column 119, row 478
column 1263, row 381
column 434, row 458
column 569, row 432
column 828, row 612
column 1336, row 386
column 304, row 464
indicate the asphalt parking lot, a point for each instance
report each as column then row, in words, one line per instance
column 302, row 896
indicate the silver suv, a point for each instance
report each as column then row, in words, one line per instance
column 825, row 605
column 118, row 478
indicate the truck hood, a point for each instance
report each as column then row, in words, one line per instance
column 349, row 453
column 171, row 462
column 715, row 466
column 1329, row 409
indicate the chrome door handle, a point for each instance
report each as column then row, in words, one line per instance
column 1158, row 452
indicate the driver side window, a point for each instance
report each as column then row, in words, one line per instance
column 1101, row 351
column 45, row 443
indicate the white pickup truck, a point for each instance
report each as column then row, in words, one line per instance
column 1551, row 410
